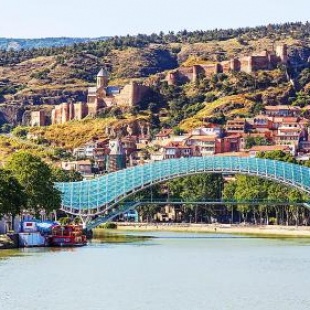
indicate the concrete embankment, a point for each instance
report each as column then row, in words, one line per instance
column 266, row 230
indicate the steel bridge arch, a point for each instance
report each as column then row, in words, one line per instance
column 97, row 196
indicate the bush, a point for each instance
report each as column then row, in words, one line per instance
column 20, row 132
column 272, row 221
column 109, row 226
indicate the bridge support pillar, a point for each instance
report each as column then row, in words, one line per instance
column 85, row 219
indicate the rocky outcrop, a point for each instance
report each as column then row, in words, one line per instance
column 51, row 97
column 11, row 114
column 17, row 110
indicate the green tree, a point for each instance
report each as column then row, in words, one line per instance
column 60, row 175
column 200, row 187
column 36, row 178
column 12, row 195
column 278, row 155
column 252, row 141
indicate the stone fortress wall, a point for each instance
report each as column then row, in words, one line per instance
column 263, row 61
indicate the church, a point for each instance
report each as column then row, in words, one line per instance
column 98, row 97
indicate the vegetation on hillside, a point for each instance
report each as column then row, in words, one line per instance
column 48, row 76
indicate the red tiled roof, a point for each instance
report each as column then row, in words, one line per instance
column 266, row 148
column 239, row 154
column 294, row 129
column 203, row 138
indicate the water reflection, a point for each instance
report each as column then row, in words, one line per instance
column 9, row 253
column 104, row 236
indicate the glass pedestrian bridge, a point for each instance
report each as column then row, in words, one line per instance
column 97, row 196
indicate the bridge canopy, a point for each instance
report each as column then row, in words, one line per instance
column 95, row 196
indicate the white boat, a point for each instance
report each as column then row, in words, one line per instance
column 31, row 239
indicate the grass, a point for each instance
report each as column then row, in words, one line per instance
column 11, row 145
column 212, row 108
column 76, row 133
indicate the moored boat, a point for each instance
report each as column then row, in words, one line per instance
column 67, row 235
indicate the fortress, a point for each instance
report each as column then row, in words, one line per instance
column 99, row 97
column 263, row 61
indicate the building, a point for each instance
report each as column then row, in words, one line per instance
column 288, row 133
column 117, row 156
column 237, row 125
column 205, row 145
column 282, row 111
column 177, row 150
column 99, row 97
column 262, row 123
column 164, row 134
column 209, row 130
column 103, row 95
column 82, row 166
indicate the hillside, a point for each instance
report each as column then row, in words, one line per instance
column 45, row 77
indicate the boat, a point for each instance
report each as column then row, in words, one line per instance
column 30, row 235
column 67, row 235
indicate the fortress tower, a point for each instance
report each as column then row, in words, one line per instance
column 102, row 78
column 281, row 52
column 196, row 72
column 172, row 78
column 249, row 68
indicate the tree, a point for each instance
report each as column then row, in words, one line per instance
column 201, row 187
column 12, row 195
column 252, row 141
column 36, row 178
column 60, row 175
column 278, row 155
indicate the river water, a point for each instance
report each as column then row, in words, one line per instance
column 172, row 271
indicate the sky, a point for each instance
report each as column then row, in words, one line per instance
column 94, row 18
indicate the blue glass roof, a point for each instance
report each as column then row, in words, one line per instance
column 94, row 195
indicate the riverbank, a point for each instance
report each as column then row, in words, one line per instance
column 6, row 242
column 266, row 230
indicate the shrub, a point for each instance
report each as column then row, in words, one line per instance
column 109, row 226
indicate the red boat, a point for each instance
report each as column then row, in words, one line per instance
column 67, row 235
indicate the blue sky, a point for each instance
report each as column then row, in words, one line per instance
column 92, row 18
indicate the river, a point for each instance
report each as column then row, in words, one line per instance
column 172, row 271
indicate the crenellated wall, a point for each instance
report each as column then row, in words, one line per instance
column 262, row 61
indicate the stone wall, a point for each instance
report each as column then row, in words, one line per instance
column 131, row 94
column 37, row 118
column 262, row 61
